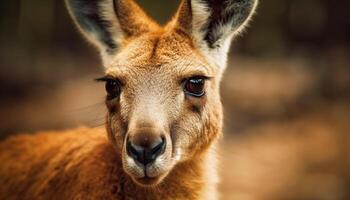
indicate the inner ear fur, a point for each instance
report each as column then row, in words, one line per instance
column 213, row 21
column 106, row 23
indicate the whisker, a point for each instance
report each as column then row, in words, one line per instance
column 88, row 107
column 98, row 125
column 90, row 114
column 97, row 119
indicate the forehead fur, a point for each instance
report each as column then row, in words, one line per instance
column 160, row 49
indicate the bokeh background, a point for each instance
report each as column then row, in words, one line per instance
column 286, row 91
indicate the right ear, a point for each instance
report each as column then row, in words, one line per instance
column 213, row 24
column 106, row 23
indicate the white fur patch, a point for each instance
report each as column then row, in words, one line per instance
column 107, row 12
column 106, row 8
column 178, row 154
column 201, row 14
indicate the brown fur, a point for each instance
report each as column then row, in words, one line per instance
column 81, row 164
column 152, row 63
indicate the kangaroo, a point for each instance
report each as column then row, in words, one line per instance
column 164, row 111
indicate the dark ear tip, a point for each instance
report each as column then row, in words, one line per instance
column 71, row 4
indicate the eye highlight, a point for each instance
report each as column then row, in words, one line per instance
column 194, row 86
column 112, row 86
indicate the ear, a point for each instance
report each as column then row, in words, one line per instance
column 106, row 23
column 213, row 23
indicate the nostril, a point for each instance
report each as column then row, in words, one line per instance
column 136, row 152
column 158, row 149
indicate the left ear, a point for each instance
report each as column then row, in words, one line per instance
column 213, row 23
column 107, row 23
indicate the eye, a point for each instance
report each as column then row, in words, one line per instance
column 113, row 88
column 194, row 86
column 112, row 85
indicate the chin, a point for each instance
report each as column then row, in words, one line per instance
column 148, row 181
column 147, row 176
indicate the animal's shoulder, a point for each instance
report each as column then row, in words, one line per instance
column 73, row 164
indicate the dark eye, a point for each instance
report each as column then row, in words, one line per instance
column 113, row 88
column 194, row 86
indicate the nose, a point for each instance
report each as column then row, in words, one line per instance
column 146, row 150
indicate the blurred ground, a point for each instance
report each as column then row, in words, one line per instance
column 302, row 158
column 287, row 131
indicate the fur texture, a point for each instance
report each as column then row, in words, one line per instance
column 151, row 65
column 83, row 164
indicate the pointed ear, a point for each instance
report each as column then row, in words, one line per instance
column 213, row 23
column 106, row 23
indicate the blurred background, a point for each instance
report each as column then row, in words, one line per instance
column 286, row 91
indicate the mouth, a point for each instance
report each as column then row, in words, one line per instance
column 148, row 181
column 149, row 175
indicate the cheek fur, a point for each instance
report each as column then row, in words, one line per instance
column 194, row 104
column 113, row 105
column 194, row 129
column 186, row 132
column 116, row 124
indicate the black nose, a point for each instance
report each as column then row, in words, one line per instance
column 147, row 152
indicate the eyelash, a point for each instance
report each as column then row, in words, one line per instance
column 196, row 77
column 107, row 78
column 113, row 87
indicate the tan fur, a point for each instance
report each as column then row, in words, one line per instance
column 151, row 62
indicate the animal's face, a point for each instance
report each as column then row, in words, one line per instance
column 165, row 101
column 162, row 83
